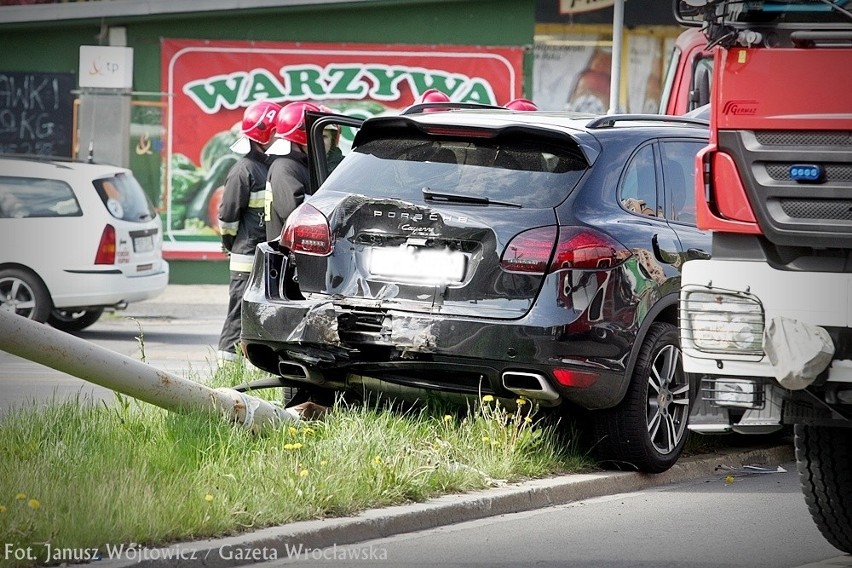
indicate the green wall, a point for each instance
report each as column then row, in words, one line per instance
column 474, row 22
column 54, row 46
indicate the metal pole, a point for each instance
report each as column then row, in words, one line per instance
column 69, row 354
column 615, row 73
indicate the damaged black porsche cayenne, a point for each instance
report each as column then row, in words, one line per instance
column 474, row 251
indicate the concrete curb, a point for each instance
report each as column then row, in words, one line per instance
column 281, row 542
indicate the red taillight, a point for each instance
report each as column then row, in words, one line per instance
column 529, row 251
column 106, row 248
column 577, row 247
column 307, row 232
column 576, row 379
column 582, row 247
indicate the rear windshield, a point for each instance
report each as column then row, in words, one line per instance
column 528, row 174
column 124, row 198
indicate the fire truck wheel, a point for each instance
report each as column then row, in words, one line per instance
column 824, row 458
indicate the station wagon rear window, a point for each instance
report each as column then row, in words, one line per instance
column 526, row 173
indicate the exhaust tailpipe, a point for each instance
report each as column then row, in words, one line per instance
column 529, row 385
column 298, row 372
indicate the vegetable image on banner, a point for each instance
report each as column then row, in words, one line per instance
column 212, row 82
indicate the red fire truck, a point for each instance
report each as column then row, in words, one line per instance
column 767, row 321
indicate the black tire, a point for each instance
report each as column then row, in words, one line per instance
column 23, row 293
column 824, row 458
column 74, row 320
column 648, row 429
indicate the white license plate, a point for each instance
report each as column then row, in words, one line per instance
column 418, row 265
column 143, row 244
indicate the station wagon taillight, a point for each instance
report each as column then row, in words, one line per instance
column 106, row 248
column 576, row 247
column 306, row 231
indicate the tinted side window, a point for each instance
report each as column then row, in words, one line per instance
column 679, row 174
column 638, row 189
column 32, row 197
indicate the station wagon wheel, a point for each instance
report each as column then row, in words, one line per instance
column 23, row 293
column 74, row 319
column 648, row 430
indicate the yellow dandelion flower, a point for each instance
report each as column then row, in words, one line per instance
column 486, row 439
column 377, row 459
column 729, row 479
column 527, row 419
column 308, row 430
column 21, row 496
column 34, row 504
column 447, row 418
column 303, row 473
column 293, row 430
column 297, row 445
column 2, row 509
column 521, row 401
column 208, row 498
column 487, row 398
column 288, row 446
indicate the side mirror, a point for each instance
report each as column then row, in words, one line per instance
column 690, row 13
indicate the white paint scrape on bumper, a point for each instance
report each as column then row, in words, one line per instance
column 727, row 306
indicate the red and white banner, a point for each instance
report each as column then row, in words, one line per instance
column 211, row 82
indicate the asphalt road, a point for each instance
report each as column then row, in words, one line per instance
column 177, row 332
column 756, row 521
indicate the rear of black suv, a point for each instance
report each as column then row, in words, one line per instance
column 485, row 252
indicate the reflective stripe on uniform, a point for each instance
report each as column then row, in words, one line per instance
column 257, row 199
column 241, row 262
column 229, row 228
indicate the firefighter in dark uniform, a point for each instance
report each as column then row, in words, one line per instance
column 241, row 221
column 288, row 179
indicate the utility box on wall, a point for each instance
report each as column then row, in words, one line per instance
column 106, row 81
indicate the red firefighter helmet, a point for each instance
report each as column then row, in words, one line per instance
column 432, row 96
column 259, row 121
column 291, row 121
column 521, row 104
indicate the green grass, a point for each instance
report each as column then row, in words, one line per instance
column 80, row 476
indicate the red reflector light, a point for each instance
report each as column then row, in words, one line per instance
column 106, row 248
column 462, row 132
column 576, row 379
column 306, row 231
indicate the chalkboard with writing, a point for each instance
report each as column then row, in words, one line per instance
column 36, row 113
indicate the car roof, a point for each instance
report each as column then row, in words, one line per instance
column 26, row 166
column 587, row 130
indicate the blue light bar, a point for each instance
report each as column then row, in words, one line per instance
column 808, row 173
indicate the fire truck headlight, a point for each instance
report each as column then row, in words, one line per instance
column 723, row 322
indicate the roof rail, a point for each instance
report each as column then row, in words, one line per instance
column 425, row 107
column 609, row 120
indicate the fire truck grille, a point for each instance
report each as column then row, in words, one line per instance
column 823, row 209
column 804, row 137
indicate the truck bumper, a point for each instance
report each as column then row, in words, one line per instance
column 725, row 310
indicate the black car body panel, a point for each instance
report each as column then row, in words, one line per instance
column 465, row 322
